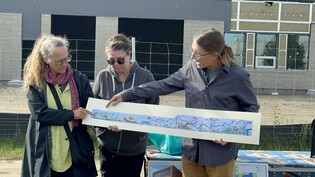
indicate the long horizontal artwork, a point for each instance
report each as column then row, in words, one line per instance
column 231, row 126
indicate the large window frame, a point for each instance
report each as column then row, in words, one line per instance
column 297, row 52
column 266, row 53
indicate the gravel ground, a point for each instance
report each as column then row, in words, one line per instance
column 275, row 109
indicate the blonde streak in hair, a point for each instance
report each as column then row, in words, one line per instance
column 109, row 45
column 227, row 56
column 230, row 52
column 34, row 66
column 129, row 52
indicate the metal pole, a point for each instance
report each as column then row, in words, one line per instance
column 133, row 46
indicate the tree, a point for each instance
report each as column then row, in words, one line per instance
column 296, row 53
column 269, row 50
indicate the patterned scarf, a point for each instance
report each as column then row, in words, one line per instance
column 67, row 77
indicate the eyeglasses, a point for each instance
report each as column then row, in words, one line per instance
column 119, row 60
column 60, row 62
column 196, row 56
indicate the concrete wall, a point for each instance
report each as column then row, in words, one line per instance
column 279, row 79
column 10, row 46
column 271, row 80
column 108, row 26
column 35, row 19
column 46, row 24
column 105, row 28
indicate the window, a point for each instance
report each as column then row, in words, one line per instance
column 297, row 52
column 27, row 46
column 265, row 62
column 82, row 40
column 236, row 42
column 266, row 51
column 160, row 50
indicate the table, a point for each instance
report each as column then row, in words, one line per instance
column 278, row 163
column 294, row 163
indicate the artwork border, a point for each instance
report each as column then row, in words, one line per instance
column 172, row 111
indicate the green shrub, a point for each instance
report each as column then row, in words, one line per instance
column 293, row 142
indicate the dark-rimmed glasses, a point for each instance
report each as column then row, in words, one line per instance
column 60, row 62
column 119, row 60
column 196, row 56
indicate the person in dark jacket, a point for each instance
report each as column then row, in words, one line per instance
column 47, row 151
column 121, row 152
column 211, row 80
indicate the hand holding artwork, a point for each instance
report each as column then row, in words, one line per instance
column 115, row 100
column 81, row 113
column 113, row 128
column 220, row 141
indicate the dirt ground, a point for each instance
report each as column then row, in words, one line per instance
column 12, row 168
column 275, row 109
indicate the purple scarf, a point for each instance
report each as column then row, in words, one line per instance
column 53, row 79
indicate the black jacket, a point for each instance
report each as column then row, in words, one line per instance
column 37, row 150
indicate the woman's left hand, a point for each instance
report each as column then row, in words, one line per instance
column 81, row 113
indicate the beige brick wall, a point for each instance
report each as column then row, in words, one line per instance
column 105, row 28
column 282, row 56
column 46, row 24
column 10, row 46
column 280, row 17
column 312, row 53
column 295, row 12
column 250, row 43
column 253, row 10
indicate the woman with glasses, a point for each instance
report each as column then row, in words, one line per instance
column 211, row 80
column 121, row 152
column 47, row 149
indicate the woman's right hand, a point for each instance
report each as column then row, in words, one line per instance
column 115, row 100
column 81, row 113
column 113, row 128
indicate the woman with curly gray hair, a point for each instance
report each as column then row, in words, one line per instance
column 47, row 151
